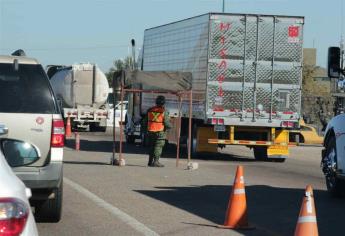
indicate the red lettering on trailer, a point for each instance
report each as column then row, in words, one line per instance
column 220, row 91
column 224, row 26
column 222, row 64
column 221, row 78
column 222, row 53
column 222, row 39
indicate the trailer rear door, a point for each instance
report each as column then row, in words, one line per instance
column 255, row 69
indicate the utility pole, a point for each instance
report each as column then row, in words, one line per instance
column 223, row 6
column 342, row 34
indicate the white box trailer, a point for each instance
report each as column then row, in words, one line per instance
column 247, row 76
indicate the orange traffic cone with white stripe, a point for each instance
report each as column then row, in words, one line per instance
column 68, row 128
column 306, row 224
column 236, row 214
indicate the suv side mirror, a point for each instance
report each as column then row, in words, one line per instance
column 19, row 153
column 334, row 62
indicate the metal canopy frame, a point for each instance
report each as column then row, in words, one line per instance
column 179, row 95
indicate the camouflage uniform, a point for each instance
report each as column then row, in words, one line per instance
column 157, row 141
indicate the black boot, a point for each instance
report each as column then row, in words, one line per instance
column 150, row 163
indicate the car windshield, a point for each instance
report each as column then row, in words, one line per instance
column 25, row 90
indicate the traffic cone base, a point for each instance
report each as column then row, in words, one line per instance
column 236, row 214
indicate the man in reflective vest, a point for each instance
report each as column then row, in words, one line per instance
column 157, row 124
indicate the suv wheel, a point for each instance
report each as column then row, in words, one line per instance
column 335, row 186
column 50, row 209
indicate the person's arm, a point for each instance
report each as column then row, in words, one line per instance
column 167, row 124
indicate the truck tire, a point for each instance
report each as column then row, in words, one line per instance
column 50, row 210
column 102, row 128
column 144, row 140
column 130, row 139
column 92, row 127
column 335, row 186
column 260, row 154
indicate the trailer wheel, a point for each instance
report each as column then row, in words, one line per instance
column 102, row 128
column 335, row 186
column 260, row 153
column 130, row 139
column 193, row 146
column 145, row 140
column 92, row 127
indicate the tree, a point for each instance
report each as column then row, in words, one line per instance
column 317, row 102
column 118, row 64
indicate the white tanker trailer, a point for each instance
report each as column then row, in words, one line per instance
column 82, row 91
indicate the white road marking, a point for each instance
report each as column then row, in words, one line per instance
column 112, row 209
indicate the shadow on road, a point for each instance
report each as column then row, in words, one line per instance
column 169, row 150
column 104, row 146
column 273, row 211
column 86, row 163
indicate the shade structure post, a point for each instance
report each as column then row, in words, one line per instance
column 190, row 124
column 178, row 130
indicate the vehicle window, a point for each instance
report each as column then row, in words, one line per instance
column 110, row 98
column 25, row 90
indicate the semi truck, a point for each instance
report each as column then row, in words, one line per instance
column 247, row 77
column 82, row 91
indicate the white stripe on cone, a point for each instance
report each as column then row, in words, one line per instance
column 307, row 219
column 239, row 191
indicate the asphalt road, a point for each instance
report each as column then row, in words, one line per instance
column 100, row 199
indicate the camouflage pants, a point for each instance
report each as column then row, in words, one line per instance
column 156, row 147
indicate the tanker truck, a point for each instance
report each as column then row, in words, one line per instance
column 82, row 91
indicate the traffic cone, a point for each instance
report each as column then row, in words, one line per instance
column 236, row 214
column 68, row 128
column 306, row 224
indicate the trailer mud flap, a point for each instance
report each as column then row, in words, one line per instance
column 203, row 134
column 281, row 150
column 275, row 151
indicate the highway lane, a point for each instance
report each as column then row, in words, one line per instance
column 176, row 201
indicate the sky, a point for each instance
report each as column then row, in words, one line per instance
column 63, row 32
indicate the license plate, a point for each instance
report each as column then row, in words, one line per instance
column 219, row 128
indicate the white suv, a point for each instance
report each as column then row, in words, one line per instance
column 30, row 112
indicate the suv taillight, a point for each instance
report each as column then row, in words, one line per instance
column 13, row 216
column 58, row 133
